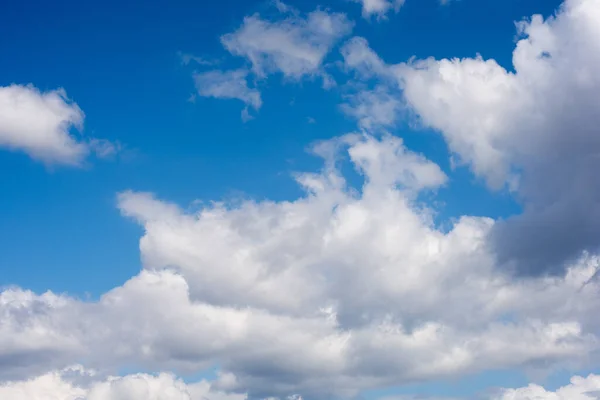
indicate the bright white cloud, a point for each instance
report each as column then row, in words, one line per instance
column 332, row 293
column 579, row 389
column 75, row 383
column 533, row 129
column 228, row 85
column 379, row 8
column 293, row 45
column 40, row 124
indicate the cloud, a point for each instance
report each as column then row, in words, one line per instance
column 373, row 109
column 187, row 58
column 359, row 57
column 379, row 8
column 293, row 45
column 75, row 383
column 534, row 126
column 228, row 85
column 531, row 130
column 335, row 292
column 579, row 389
column 40, row 124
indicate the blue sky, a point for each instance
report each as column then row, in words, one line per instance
column 76, row 230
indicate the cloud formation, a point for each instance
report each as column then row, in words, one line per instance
column 228, row 85
column 76, row 383
column 532, row 130
column 40, row 124
column 379, row 8
column 330, row 294
column 291, row 44
column 348, row 287
column 579, row 389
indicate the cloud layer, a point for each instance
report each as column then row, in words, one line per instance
column 327, row 295
column 348, row 287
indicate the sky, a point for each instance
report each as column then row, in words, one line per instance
column 310, row 199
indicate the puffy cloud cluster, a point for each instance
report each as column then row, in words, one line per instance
column 292, row 44
column 533, row 129
column 40, row 123
column 335, row 292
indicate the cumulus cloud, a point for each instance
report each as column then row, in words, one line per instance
column 294, row 45
column 338, row 291
column 532, row 130
column 379, row 8
column 75, row 383
column 40, row 124
column 579, row 389
column 228, row 85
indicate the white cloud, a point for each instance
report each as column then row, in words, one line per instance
column 379, row 8
column 360, row 57
column 579, row 389
column 533, row 129
column 327, row 295
column 536, row 126
column 294, row 45
column 228, row 85
column 75, row 383
column 40, row 124
column 373, row 109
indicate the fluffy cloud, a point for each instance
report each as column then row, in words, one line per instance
column 293, row 45
column 40, row 123
column 579, row 389
column 338, row 291
column 75, row 383
column 533, row 129
column 228, row 85
column 379, row 8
